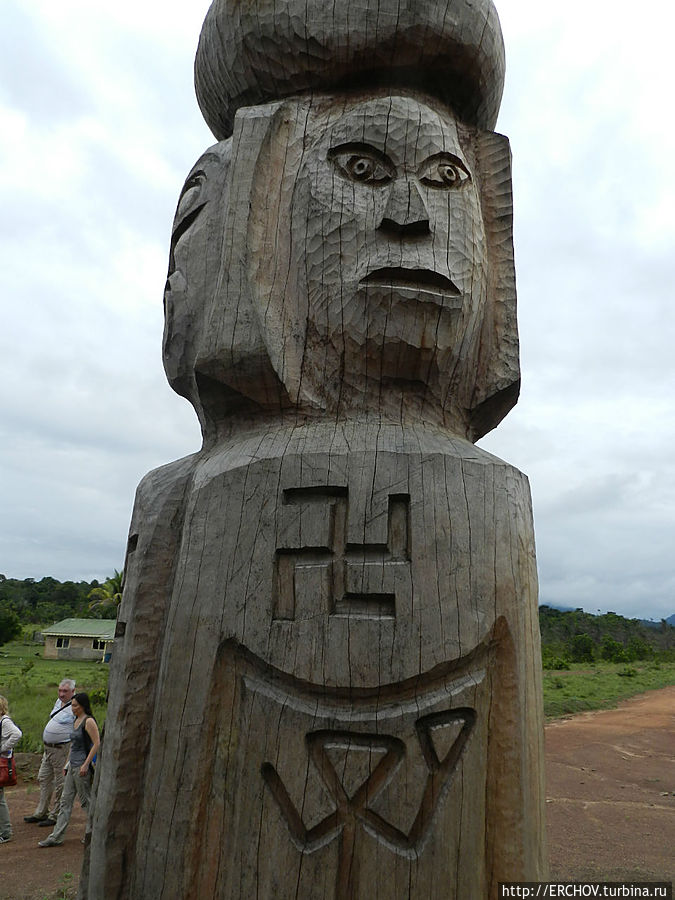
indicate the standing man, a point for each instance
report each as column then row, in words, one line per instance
column 56, row 737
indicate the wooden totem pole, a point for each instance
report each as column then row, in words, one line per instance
column 326, row 678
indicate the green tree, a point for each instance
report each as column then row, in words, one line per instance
column 106, row 598
column 10, row 627
column 638, row 649
column 612, row 650
column 581, row 648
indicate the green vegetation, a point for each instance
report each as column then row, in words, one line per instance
column 601, row 685
column 48, row 601
column 574, row 636
column 10, row 627
column 66, row 891
column 30, row 684
column 593, row 662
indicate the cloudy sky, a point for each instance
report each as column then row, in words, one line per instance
column 98, row 128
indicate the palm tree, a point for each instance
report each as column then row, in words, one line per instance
column 107, row 596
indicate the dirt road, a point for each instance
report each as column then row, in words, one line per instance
column 611, row 804
column 611, row 792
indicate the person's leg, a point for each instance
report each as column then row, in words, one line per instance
column 91, row 809
column 5, row 824
column 65, row 810
column 59, row 758
column 46, row 782
column 83, row 788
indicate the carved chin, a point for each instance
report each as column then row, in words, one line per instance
column 402, row 336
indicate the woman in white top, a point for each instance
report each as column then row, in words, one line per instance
column 9, row 737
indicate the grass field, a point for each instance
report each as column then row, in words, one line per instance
column 601, row 685
column 30, row 684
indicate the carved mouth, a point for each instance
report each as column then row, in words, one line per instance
column 420, row 281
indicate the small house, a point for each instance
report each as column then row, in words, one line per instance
column 80, row 639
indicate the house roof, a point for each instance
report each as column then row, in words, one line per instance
column 103, row 629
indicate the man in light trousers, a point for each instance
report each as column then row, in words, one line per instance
column 56, row 738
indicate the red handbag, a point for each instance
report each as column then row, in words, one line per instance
column 7, row 771
column 7, row 766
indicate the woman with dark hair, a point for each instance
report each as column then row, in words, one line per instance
column 9, row 735
column 84, row 744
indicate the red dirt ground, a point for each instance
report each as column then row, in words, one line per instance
column 611, row 792
column 29, row 872
column 610, row 806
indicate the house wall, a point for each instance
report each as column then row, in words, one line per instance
column 79, row 648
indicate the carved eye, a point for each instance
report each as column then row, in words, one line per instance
column 444, row 171
column 362, row 164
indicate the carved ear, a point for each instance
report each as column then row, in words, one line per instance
column 232, row 349
column 280, row 303
column 497, row 382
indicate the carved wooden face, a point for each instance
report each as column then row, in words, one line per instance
column 387, row 259
column 340, row 266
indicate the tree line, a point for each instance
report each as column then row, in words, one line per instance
column 569, row 636
column 30, row 602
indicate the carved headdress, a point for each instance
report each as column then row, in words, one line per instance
column 252, row 53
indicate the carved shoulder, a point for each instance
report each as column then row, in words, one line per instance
column 153, row 536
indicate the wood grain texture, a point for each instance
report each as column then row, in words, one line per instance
column 326, row 681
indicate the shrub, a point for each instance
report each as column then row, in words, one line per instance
column 628, row 672
column 555, row 662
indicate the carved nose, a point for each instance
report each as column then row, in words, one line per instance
column 406, row 213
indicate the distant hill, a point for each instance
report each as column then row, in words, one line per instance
column 651, row 623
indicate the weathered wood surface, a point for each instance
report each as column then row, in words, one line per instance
column 326, row 681
column 347, row 692
column 297, row 286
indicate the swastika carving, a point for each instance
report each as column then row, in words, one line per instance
column 316, row 563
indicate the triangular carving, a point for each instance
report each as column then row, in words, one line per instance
column 354, row 764
column 444, row 736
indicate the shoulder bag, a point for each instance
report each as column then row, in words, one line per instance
column 7, row 766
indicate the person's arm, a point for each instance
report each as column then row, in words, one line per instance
column 92, row 730
column 11, row 735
